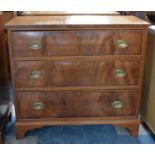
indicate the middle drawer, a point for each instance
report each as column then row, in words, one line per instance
column 69, row 73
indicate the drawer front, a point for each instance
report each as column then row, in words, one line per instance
column 110, row 42
column 54, row 43
column 76, row 43
column 75, row 104
column 76, row 73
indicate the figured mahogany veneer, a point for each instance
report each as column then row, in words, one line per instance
column 71, row 70
column 76, row 43
column 64, row 104
column 76, row 73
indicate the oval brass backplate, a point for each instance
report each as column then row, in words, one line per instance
column 117, row 104
column 38, row 106
column 35, row 74
column 121, row 43
column 120, row 73
column 35, row 45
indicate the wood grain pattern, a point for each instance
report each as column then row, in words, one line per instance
column 75, row 21
column 77, row 60
column 76, row 43
column 66, row 104
column 103, row 42
column 76, row 73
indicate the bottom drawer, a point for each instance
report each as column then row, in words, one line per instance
column 63, row 104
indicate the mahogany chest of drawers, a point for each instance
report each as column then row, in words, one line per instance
column 71, row 70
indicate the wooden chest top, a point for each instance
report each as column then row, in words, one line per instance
column 75, row 21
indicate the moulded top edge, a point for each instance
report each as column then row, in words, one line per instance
column 75, row 21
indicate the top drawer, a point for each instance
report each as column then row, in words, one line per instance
column 76, row 43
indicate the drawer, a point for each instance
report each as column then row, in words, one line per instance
column 76, row 73
column 110, row 42
column 76, row 43
column 38, row 43
column 75, row 104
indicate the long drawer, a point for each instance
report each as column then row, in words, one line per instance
column 75, row 104
column 68, row 73
column 76, row 43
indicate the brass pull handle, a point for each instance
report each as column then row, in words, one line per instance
column 35, row 74
column 77, row 34
column 38, row 106
column 117, row 104
column 121, row 43
column 120, row 73
column 35, row 45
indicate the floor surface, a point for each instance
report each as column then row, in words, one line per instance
column 83, row 134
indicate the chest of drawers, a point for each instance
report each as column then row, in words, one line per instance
column 71, row 70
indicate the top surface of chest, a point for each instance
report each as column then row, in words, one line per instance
column 75, row 22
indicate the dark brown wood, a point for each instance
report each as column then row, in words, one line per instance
column 67, row 104
column 1, row 48
column 76, row 84
column 76, row 43
column 3, row 59
column 4, row 78
column 5, row 16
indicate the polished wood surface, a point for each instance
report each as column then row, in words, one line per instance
column 75, row 21
column 67, row 70
column 76, row 73
column 66, row 104
column 76, row 43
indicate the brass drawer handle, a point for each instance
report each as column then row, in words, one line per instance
column 117, row 104
column 120, row 73
column 38, row 106
column 77, row 34
column 121, row 43
column 35, row 74
column 35, row 45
